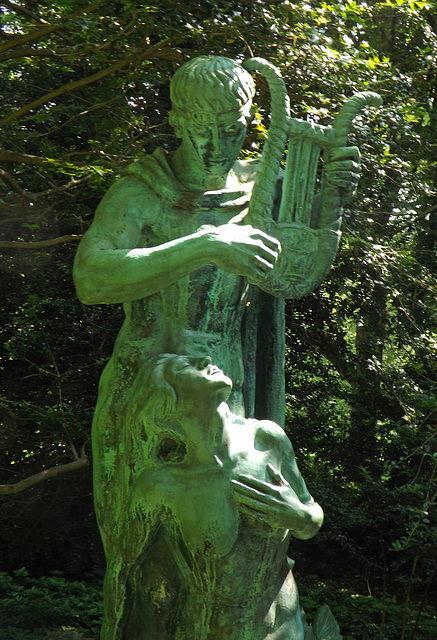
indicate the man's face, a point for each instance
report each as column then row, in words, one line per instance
column 216, row 145
column 192, row 378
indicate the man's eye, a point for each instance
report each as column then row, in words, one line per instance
column 233, row 128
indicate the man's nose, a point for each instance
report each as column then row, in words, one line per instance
column 217, row 141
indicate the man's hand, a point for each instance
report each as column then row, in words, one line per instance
column 342, row 169
column 243, row 250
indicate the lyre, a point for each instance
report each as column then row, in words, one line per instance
column 310, row 248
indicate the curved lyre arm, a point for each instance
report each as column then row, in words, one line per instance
column 349, row 111
column 307, row 226
column 263, row 194
column 332, row 198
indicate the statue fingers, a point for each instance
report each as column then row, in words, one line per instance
column 342, row 180
column 270, row 242
column 266, row 258
column 254, row 232
column 251, row 508
column 258, row 261
column 276, row 475
column 247, row 235
column 255, row 487
column 244, row 489
column 266, row 510
column 263, row 267
column 342, row 165
column 253, row 503
column 255, row 269
column 343, row 153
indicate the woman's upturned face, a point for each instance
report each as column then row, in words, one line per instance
column 215, row 145
column 192, row 378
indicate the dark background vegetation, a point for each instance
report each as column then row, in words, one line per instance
column 84, row 89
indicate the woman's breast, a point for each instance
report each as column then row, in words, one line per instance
column 206, row 514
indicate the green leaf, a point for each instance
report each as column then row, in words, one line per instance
column 325, row 625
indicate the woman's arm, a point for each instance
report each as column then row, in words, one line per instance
column 282, row 500
column 277, row 504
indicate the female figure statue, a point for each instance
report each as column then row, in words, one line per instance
column 203, row 526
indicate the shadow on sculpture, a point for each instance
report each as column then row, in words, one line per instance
column 210, row 505
column 201, row 249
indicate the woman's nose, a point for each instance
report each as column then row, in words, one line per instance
column 203, row 362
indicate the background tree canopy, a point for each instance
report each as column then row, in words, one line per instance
column 84, row 90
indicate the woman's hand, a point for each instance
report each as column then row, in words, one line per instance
column 276, row 503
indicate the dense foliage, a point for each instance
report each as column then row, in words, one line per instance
column 31, row 607
column 85, row 91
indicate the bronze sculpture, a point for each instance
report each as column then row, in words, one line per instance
column 201, row 249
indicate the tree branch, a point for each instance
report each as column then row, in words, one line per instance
column 27, row 37
column 41, row 52
column 6, row 177
column 38, row 245
column 11, row 220
column 19, row 9
column 33, row 197
column 78, row 463
column 26, row 158
column 49, row 192
column 75, row 84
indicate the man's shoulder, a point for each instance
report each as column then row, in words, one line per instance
column 145, row 163
column 154, row 172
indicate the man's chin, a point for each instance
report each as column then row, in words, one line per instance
column 218, row 168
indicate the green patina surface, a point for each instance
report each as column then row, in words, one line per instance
column 201, row 252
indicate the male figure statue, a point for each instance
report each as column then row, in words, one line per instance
column 169, row 241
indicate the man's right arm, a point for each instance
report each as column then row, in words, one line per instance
column 111, row 268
